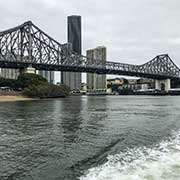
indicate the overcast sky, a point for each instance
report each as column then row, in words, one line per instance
column 133, row 31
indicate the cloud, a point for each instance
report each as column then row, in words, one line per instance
column 133, row 32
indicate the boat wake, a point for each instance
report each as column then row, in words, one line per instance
column 162, row 162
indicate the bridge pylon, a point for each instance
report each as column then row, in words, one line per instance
column 163, row 85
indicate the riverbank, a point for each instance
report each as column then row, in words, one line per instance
column 10, row 98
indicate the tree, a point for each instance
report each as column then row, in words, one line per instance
column 37, row 86
column 46, row 90
column 28, row 79
column 12, row 83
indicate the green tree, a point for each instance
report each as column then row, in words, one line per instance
column 46, row 90
column 28, row 79
column 12, row 83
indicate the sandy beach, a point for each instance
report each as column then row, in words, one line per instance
column 14, row 98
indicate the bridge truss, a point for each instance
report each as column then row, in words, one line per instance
column 27, row 45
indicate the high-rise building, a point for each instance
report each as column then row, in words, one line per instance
column 9, row 73
column 73, row 79
column 14, row 73
column 49, row 75
column 96, row 81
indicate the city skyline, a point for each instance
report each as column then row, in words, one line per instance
column 132, row 32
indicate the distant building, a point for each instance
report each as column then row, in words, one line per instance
column 116, row 84
column 150, row 82
column 142, row 84
column 49, row 75
column 9, row 73
column 96, row 81
column 132, row 81
column 73, row 79
column 117, row 81
column 14, row 73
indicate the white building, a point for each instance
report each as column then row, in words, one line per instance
column 96, row 81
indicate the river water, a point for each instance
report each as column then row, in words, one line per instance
column 91, row 138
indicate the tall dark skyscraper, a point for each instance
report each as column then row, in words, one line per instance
column 74, row 32
column 73, row 79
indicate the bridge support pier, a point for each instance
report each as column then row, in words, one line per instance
column 163, row 85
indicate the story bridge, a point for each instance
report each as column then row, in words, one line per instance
column 28, row 46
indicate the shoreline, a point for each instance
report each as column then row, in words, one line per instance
column 13, row 98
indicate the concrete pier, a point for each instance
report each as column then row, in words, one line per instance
column 164, row 85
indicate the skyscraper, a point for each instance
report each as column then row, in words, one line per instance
column 96, row 81
column 14, row 73
column 9, row 73
column 73, row 79
column 49, row 75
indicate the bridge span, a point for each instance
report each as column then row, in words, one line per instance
column 28, row 46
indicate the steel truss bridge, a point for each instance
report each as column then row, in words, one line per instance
column 28, row 46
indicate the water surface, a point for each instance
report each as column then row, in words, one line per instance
column 91, row 138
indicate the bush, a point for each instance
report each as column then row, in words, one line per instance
column 12, row 83
column 125, row 91
column 34, row 85
column 46, row 91
column 28, row 79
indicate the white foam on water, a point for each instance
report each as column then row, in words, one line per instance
column 159, row 163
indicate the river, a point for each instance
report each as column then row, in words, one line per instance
column 91, row 138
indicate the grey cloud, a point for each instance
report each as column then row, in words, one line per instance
column 133, row 31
